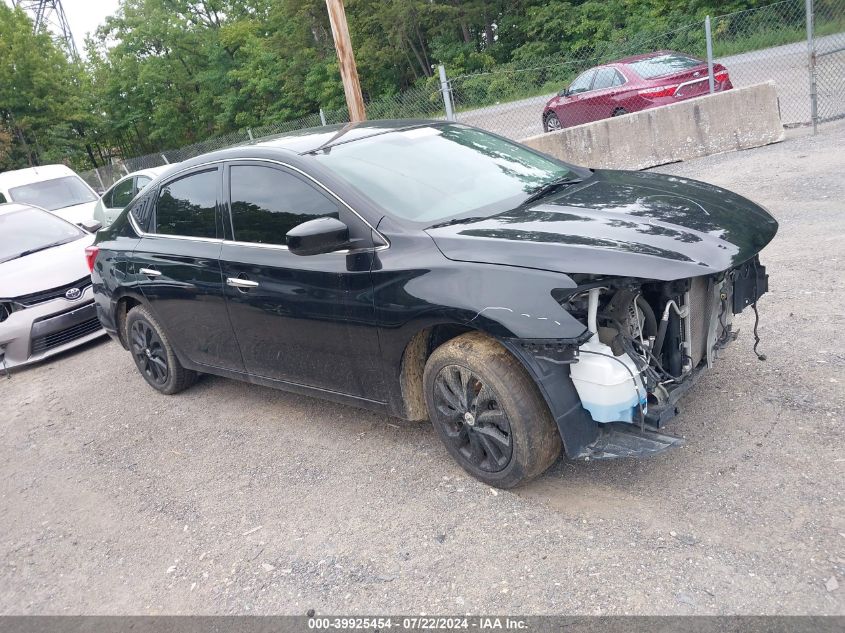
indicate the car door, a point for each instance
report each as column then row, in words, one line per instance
column 307, row 320
column 141, row 181
column 598, row 103
column 571, row 108
column 176, row 265
column 116, row 200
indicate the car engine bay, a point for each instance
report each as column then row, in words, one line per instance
column 649, row 340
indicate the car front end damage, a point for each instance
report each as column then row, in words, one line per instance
column 647, row 343
column 650, row 270
column 39, row 325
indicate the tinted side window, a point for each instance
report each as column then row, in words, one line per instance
column 121, row 195
column 582, row 83
column 618, row 79
column 187, row 206
column 2, row 198
column 267, row 203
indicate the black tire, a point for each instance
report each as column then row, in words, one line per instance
column 619, row 112
column 513, row 438
column 153, row 355
column 551, row 123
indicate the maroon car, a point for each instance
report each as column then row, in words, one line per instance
column 630, row 85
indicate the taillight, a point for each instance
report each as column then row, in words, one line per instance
column 660, row 91
column 91, row 253
column 721, row 76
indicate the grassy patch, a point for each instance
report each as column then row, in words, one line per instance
column 767, row 38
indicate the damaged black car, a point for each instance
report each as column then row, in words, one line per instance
column 431, row 270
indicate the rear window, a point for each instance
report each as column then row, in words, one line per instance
column 664, row 65
column 54, row 194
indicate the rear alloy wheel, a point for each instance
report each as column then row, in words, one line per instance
column 552, row 123
column 619, row 112
column 153, row 355
column 488, row 411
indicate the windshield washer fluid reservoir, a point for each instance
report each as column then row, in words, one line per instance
column 610, row 387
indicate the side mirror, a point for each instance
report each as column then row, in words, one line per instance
column 563, row 93
column 321, row 235
column 92, row 226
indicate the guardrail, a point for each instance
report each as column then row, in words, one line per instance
column 736, row 119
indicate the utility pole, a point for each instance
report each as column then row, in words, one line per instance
column 346, row 58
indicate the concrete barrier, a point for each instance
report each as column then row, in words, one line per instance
column 736, row 119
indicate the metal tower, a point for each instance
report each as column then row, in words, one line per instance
column 50, row 14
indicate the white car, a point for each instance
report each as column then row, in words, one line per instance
column 46, row 299
column 56, row 188
column 121, row 193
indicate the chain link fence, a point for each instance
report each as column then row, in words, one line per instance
column 829, row 27
column 768, row 43
column 510, row 101
column 757, row 45
column 424, row 101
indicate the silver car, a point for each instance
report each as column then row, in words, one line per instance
column 46, row 300
column 121, row 193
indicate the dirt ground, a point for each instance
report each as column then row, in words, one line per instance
column 232, row 498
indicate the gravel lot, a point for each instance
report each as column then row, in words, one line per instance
column 232, row 498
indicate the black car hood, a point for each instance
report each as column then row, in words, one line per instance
column 633, row 224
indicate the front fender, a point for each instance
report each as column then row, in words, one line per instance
column 577, row 428
column 514, row 305
column 504, row 301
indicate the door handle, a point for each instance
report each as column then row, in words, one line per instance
column 150, row 272
column 237, row 282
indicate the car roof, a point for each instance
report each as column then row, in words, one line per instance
column 152, row 172
column 637, row 58
column 309, row 139
column 17, row 177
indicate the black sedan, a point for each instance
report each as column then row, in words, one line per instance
column 433, row 270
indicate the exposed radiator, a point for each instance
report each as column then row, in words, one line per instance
column 700, row 311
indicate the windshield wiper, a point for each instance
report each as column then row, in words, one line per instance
column 457, row 221
column 549, row 187
column 38, row 249
column 330, row 143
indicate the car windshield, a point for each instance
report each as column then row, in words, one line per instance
column 661, row 65
column 31, row 230
column 434, row 173
column 57, row 193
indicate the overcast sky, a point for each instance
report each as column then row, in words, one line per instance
column 85, row 16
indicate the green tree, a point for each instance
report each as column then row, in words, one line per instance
column 45, row 114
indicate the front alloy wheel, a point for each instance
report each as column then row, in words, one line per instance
column 471, row 419
column 553, row 123
column 488, row 411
